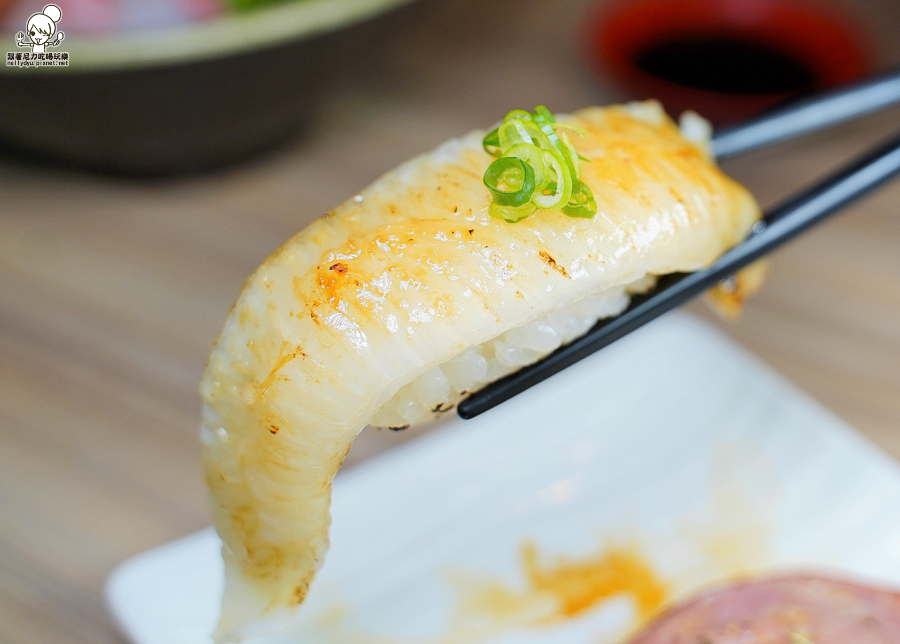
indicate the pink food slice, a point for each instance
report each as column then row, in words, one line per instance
column 782, row 610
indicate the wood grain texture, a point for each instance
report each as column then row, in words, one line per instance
column 112, row 291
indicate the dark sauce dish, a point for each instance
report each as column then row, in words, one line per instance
column 188, row 99
column 727, row 59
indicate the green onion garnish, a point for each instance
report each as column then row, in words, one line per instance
column 534, row 157
column 559, row 190
column 582, row 203
column 511, row 181
column 536, row 168
column 491, row 143
column 511, row 214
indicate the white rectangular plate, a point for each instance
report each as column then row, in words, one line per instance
column 674, row 444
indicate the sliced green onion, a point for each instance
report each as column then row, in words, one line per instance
column 513, row 133
column 531, row 154
column 541, row 110
column 582, row 203
column 536, row 133
column 511, row 181
column 559, row 190
column 575, row 166
column 491, row 143
column 580, row 131
column 537, row 167
column 545, row 121
column 547, row 129
column 512, row 214
column 517, row 115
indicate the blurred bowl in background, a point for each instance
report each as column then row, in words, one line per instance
column 188, row 98
column 727, row 59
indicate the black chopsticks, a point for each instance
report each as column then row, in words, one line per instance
column 809, row 114
column 779, row 226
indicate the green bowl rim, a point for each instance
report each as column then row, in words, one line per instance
column 231, row 34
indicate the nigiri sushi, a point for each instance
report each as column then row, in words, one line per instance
column 428, row 284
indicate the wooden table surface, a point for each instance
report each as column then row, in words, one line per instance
column 112, row 291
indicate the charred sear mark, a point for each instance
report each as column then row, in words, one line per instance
column 398, row 428
column 339, row 268
column 273, row 428
column 441, row 408
column 552, row 263
column 471, row 231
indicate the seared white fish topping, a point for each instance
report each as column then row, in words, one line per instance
column 411, row 290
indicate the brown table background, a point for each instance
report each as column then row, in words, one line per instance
column 112, row 291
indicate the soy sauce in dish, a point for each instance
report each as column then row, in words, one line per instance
column 726, row 64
